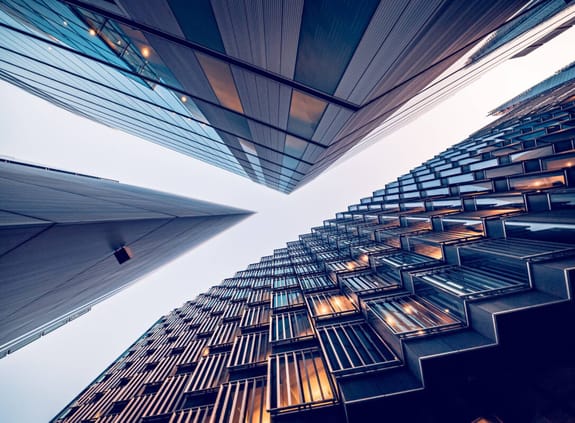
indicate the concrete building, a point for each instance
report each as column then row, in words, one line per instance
column 69, row 241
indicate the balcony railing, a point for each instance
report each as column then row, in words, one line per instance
column 298, row 380
column 354, row 348
column 240, row 401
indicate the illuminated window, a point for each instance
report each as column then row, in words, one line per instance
column 353, row 346
column 299, row 379
column 411, row 316
column 537, row 182
column 325, row 305
column 290, row 327
column 243, row 401
column 559, row 162
column 250, row 350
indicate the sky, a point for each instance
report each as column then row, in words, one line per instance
column 39, row 380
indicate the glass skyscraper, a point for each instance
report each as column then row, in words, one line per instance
column 274, row 91
column 446, row 296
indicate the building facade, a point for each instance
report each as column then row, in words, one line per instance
column 69, row 241
column 539, row 12
column 274, row 91
column 446, row 296
column 557, row 87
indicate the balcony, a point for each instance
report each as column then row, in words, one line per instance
column 328, row 305
column 249, row 350
column 433, row 244
column 299, row 380
column 467, row 283
column 290, row 327
column 316, row 283
column 255, row 318
column 367, row 283
column 353, row 348
column 210, row 373
column 240, row 401
column 410, row 316
column 287, row 299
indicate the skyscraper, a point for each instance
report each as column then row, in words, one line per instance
column 446, row 296
column 556, row 87
column 69, row 241
column 275, row 91
column 539, row 12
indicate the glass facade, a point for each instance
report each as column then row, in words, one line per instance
column 354, row 316
column 272, row 91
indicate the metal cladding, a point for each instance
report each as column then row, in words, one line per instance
column 445, row 296
column 69, row 241
column 275, row 91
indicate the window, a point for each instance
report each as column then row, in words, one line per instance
column 290, row 327
column 304, row 115
column 224, row 334
column 185, row 368
column 117, row 407
column 411, row 316
column 286, row 299
column 242, row 401
column 299, row 379
column 326, row 305
column 316, row 283
column 259, row 296
column 210, row 373
column 151, row 388
column 255, row 317
column 354, row 346
column 250, row 350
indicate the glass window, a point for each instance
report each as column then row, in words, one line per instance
column 329, row 34
column 290, row 326
column 198, row 23
column 537, row 182
column 354, row 346
column 411, row 315
column 560, row 162
column 313, row 283
column 324, row 305
column 304, row 115
column 222, row 82
column 210, row 373
column 250, row 349
column 299, row 378
column 243, row 401
column 285, row 299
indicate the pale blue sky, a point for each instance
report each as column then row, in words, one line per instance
column 39, row 380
